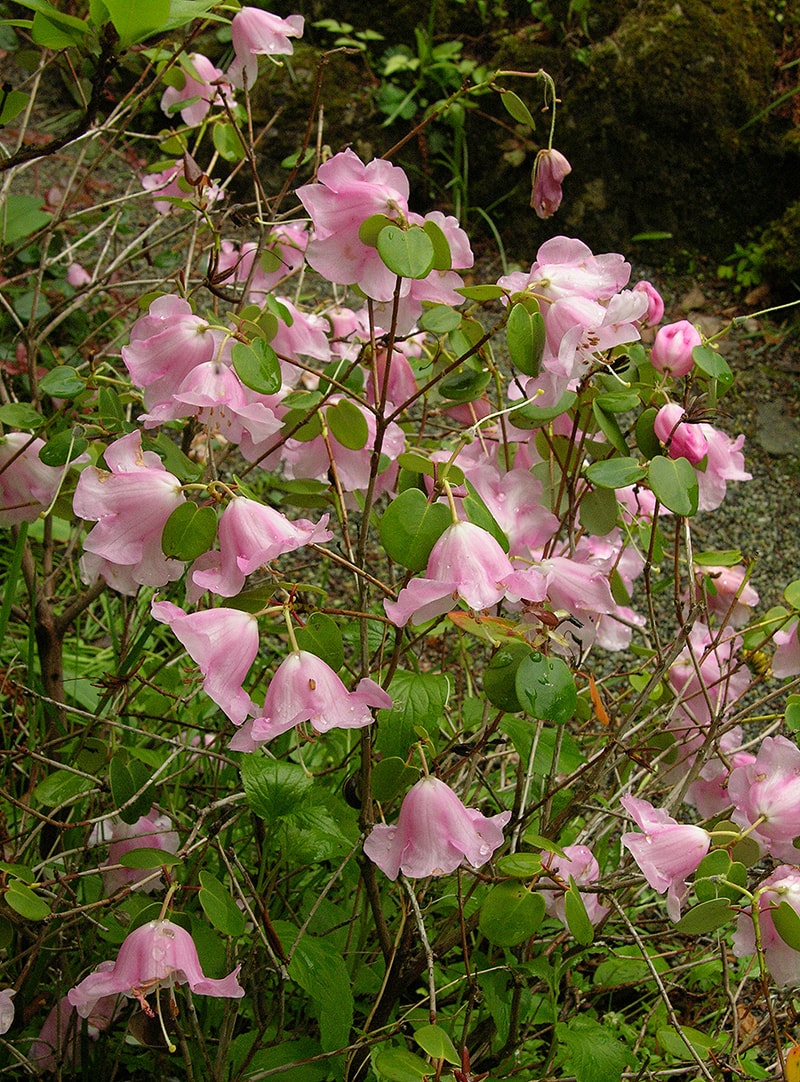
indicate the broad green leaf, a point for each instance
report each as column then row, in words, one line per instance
column 147, row 858
column 478, row 513
column 511, row 914
column 705, row 917
column 529, row 415
column 347, row 424
column 59, row 787
column 21, row 215
column 11, row 105
column 609, row 426
column 220, row 908
column 646, row 439
column 787, row 924
column 615, row 472
column 465, row 385
column 371, row 227
column 257, row 366
column 674, row 484
column 189, row 531
column 516, row 108
column 20, row 415
column 436, row 1043
column 408, row 253
column 580, row 926
column 128, row 776
column 392, row 776
column 274, row 789
column 442, row 257
column 321, row 636
column 675, row 1045
column 546, row 688
column 226, row 141
column 525, row 334
column 319, row 968
column 482, row 292
column 792, row 716
column 400, row 1065
column 791, row 594
column 26, row 902
column 136, row 21
column 718, row 558
column 599, row 512
column 711, row 362
column 440, row 319
column 63, row 382
column 595, row 1054
column 500, row 677
column 520, row 865
column 418, row 701
column 410, row 527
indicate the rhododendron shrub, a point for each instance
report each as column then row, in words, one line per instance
column 374, row 709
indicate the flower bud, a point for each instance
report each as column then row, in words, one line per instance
column 655, row 305
column 672, row 348
column 549, row 171
column 681, row 439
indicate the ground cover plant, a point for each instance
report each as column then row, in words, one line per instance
column 370, row 710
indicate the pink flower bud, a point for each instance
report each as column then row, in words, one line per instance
column 655, row 305
column 549, row 171
column 680, row 439
column 672, row 349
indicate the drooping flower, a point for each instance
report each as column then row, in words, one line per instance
column 435, row 834
column 672, row 349
column 160, row 954
column 655, row 302
column 27, row 485
column 305, row 688
column 709, row 792
column 725, row 463
column 580, row 864
column 224, row 643
column 783, row 961
column 549, row 171
column 667, row 851
column 728, row 594
column 151, row 831
column 58, row 1044
column 204, row 85
column 257, row 33
column 131, row 505
column 766, row 796
column 6, row 1009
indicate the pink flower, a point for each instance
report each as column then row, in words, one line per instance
column 305, row 688
column 27, row 485
column 466, row 562
column 680, row 438
column 721, row 680
column 434, row 835
column 672, row 349
column 667, row 852
column 259, row 33
column 58, row 1044
column 565, row 267
column 224, row 643
column 78, row 276
column 251, row 535
column 709, row 793
column 728, row 595
column 578, row 863
column 6, row 1009
column 655, row 303
column 151, row 831
column 786, row 659
column 131, row 505
column 768, row 789
column 782, row 960
column 171, row 184
column 549, row 171
column 156, row 955
column 725, row 463
column 198, row 91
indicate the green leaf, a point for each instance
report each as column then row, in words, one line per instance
column 529, row 415
column 711, row 362
column 319, row 968
column 791, row 594
column 516, row 108
column 392, row 776
column 257, row 366
column 370, row 228
column 792, row 716
column 787, row 924
column 21, row 215
column 520, row 865
column 53, row 29
column 227, row 141
column 12, row 105
column 718, row 558
column 674, row 1044
column 136, row 21
column 478, row 513
column 525, row 334
column 500, row 677
column 60, row 787
column 580, row 927
column 220, row 908
column 609, row 426
column 646, row 439
column 400, row 1065
column 615, row 472
column 321, row 636
column 674, row 484
column 436, row 1043
column 595, row 1054
column 20, row 415
column 418, row 700
column 598, row 511
column 408, row 253
column 440, row 319
column 442, row 257
column 189, row 531
column 62, row 382
column 274, row 789
column 347, row 424
column 705, row 917
column 24, row 901
column 546, row 688
column 128, row 776
column 410, row 527
column 147, row 858
column 511, row 914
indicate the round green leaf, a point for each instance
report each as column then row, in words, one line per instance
column 348, row 424
column 64, row 447
column 321, row 636
column 391, row 776
column 464, row 386
column 705, row 917
column 59, row 787
column 499, row 680
column 598, row 511
column 711, row 362
column 220, row 908
column 148, row 858
column 442, row 257
column 227, row 142
column 511, row 914
column 792, row 716
column 63, row 382
column 410, row 527
column 370, row 228
column 257, row 366
column 189, row 531
column 674, row 484
column 20, row 415
column 408, row 253
column 436, row 1043
column 529, row 415
column 545, row 688
column 400, row 1065
column 791, row 594
column 24, row 901
column 440, row 319
column 615, row 472
column 520, row 865
column 525, row 334
column 787, row 924
column 646, row 438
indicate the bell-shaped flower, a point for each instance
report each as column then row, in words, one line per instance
column 580, row 864
column 305, row 688
column 667, row 852
column 27, row 485
column 151, row 831
column 6, row 1009
column 435, row 834
column 160, row 954
column 131, row 505
column 257, row 33
column 766, row 796
column 549, row 171
column 224, row 643
column 251, row 535
column 783, row 962
column 204, row 85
